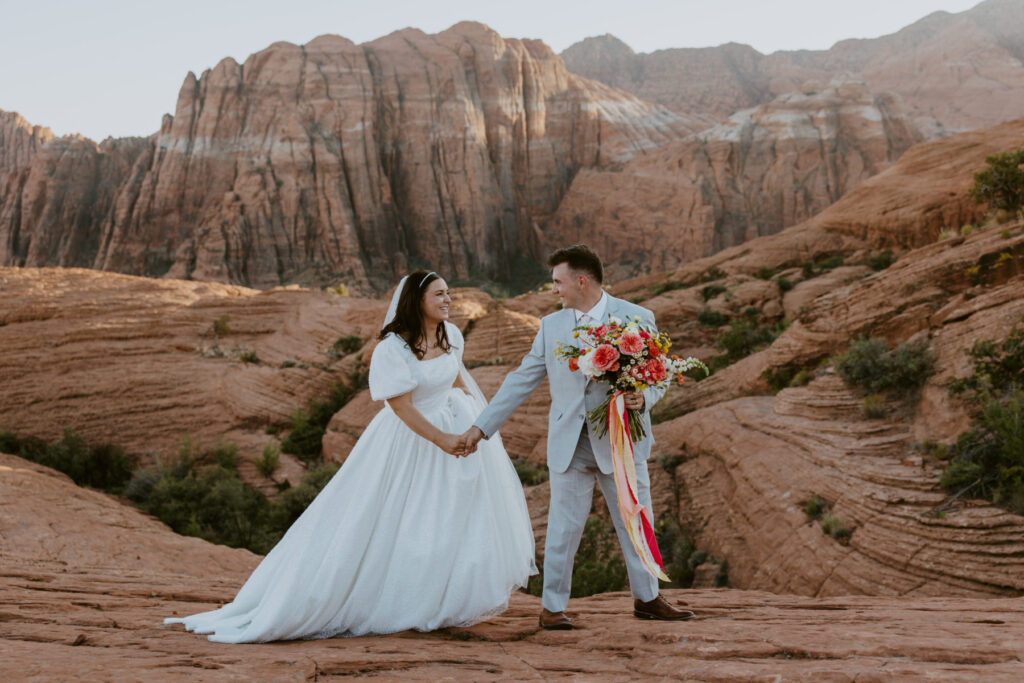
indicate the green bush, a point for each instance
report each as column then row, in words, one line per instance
column 711, row 291
column 710, row 318
column 871, row 365
column 221, row 326
column 815, row 507
column 988, row 459
column 766, row 273
column 308, row 425
column 270, row 458
column 873, row 406
column 105, row 466
column 211, row 502
column 713, row 273
column 786, row 376
column 293, row 501
column 530, row 474
column 882, row 260
column 744, row 337
column 248, row 356
column 785, row 284
column 834, row 526
column 348, row 344
column 1001, row 185
column 599, row 567
column 666, row 286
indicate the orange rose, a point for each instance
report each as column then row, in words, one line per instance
column 574, row 364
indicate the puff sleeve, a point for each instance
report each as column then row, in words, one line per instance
column 390, row 374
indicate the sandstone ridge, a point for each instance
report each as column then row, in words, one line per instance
column 76, row 600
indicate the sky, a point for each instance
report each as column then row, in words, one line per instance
column 114, row 67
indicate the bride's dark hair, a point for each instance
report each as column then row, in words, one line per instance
column 408, row 322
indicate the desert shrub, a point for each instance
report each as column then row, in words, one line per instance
column 766, row 273
column 530, row 474
column 211, row 502
column 341, row 289
column 221, row 326
column 785, row 376
column 873, row 406
column 815, row 507
column 270, row 458
column 103, row 466
column 308, row 425
column 988, row 459
column 744, row 337
column 784, row 283
column 1005, row 233
column 347, row 344
column 667, row 286
column 293, row 501
column 968, row 229
column 248, row 356
column 599, row 567
column 676, row 552
column 1001, row 184
column 713, row 273
column 871, row 365
column 711, row 291
column 834, row 526
column 881, row 260
column 830, row 262
column 997, row 366
column 712, row 318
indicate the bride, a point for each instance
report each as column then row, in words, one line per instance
column 412, row 532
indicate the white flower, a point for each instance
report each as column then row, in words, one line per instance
column 612, row 320
column 586, row 362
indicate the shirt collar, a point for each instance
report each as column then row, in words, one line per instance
column 597, row 312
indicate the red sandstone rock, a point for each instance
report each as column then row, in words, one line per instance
column 761, row 171
column 79, row 569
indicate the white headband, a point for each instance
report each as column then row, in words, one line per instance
column 425, row 277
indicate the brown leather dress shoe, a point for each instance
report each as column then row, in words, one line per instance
column 554, row 621
column 659, row 608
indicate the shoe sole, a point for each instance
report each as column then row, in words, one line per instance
column 557, row 627
column 654, row 617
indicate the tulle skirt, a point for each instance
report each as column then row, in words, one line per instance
column 404, row 536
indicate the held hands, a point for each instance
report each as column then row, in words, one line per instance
column 460, row 445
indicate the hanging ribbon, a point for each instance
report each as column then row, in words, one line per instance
column 635, row 516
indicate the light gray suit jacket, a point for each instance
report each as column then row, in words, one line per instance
column 572, row 394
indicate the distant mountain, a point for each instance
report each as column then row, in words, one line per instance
column 954, row 72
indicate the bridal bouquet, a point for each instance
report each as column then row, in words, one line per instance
column 630, row 357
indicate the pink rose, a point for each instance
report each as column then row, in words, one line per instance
column 605, row 357
column 631, row 342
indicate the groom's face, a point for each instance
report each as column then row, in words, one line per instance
column 568, row 285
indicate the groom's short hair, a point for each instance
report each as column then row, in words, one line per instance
column 580, row 257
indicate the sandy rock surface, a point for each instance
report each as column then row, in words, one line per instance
column 85, row 605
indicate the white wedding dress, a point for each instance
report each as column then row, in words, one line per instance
column 404, row 536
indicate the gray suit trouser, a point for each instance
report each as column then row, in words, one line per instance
column 571, row 494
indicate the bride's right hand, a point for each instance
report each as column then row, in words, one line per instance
column 452, row 444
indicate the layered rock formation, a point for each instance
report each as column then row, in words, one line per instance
column 955, row 72
column 340, row 162
column 134, row 361
column 760, row 171
column 87, row 582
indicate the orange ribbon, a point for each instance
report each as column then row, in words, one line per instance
column 635, row 516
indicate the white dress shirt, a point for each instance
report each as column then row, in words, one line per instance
column 597, row 312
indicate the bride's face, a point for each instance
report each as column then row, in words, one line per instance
column 436, row 301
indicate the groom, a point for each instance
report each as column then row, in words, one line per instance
column 575, row 455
